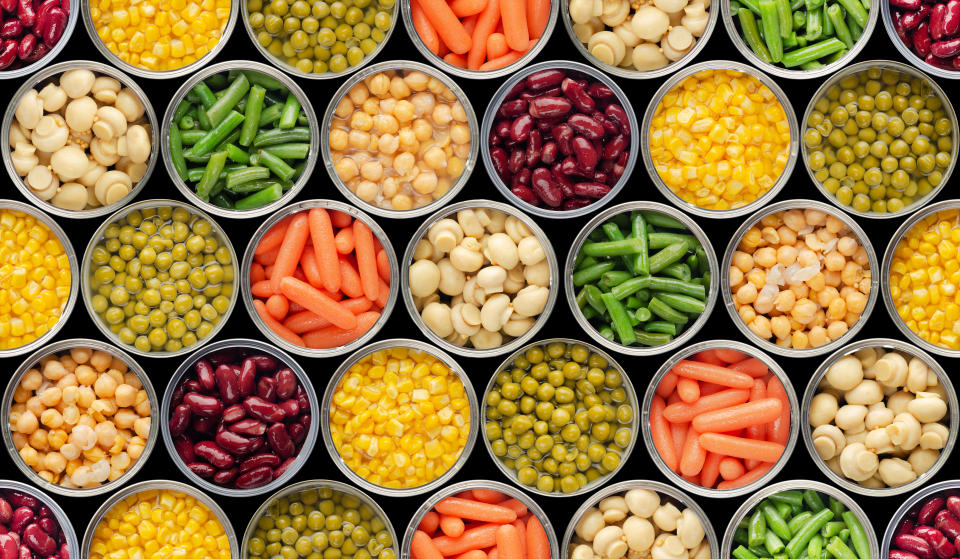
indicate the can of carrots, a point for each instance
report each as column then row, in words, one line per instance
column 720, row 418
column 319, row 278
column 503, row 521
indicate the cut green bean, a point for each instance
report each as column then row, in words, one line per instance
column 751, row 34
column 277, row 165
column 288, row 116
column 289, row 151
column 839, row 24
column 246, row 174
column 858, row 535
column 619, row 319
column 812, row 52
column 219, row 133
column 252, row 113
column 277, row 136
column 231, row 96
column 211, row 175
column 261, row 198
column 769, row 23
column 614, row 248
column 641, row 260
column 785, row 18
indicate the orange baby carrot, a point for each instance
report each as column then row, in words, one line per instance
column 747, row 478
column 739, row 416
column 290, row 250
column 708, row 356
column 660, row 431
column 497, row 45
column 256, row 273
column 486, row 24
column 682, row 411
column 739, row 447
column 472, row 554
column 729, row 355
column 693, row 454
column 272, row 238
column 779, row 430
column 451, row 525
column 269, row 257
column 424, row 28
column 688, row 389
column 340, row 219
column 448, row 27
column 276, row 327
column 366, row 259
column 521, row 526
column 667, row 384
column 475, row 510
column 383, row 265
column 422, row 547
column 708, row 388
column 383, row 294
column 692, row 479
column 711, row 469
column 480, row 537
column 350, row 279
column 538, row 546
column 470, row 23
column 318, row 302
column 491, row 496
column 513, row 13
column 324, row 248
column 262, row 289
column 464, row 8
column 752, row 366
column 458, row 60
column 501, row 61
column 758, row 431
column 492, row 553
column 731, row 468
column 278, row 306
column 508, row 543
column 429, row 523
column 332, row 336
column 538, row 14
column 713, row 373
column 306, row 321
column 513, row 504
column 344, row 240
column 311, row 269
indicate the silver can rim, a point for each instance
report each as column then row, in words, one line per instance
column 72, row 18
column 755, row 499
column 406, row 66
column 280, row 65
column 532, row 506
column 541, row 318
column 952, row 405
column 45, row 75
column 71, row 254
column 799, row 74
column 498, row 99
column 632, row 398
column 764, row 79
column 477, row 74
column 343, row 488
column 66, row 345
column 908, row 54
column 774, row 368
column 160, row 485
column 362, row 353
column 901, row 231
column 158, row 74
column 215, row 228
column 187, row 367
column 906, row 69
column 673, row 494
column 295, row 208
column 785, row 205
column 912, row 502
column 178, row 97
column 62, row 519
column 627, row 73
column 712, row 293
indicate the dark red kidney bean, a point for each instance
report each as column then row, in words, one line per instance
column 910, row 5
column 937, row 16
column 601, row 176
column 8, row 547
column 228, row 384
column 920, row 39
column 290, row 407
column 569, row 166
column 227, row 355
column 609, row 127
column 916, row 545
column 28, row 43
column 39, row 52
column 549, row 152
column 549, row 107
column 193, row 385
column 516, row 160
column 938, row 62
column 590, row 189
column 498, row 157
column 902, row 32
column 8, row 6
column 951, row 20
column 280, row 440
column 525, row 194
column 212, row 453
column 947, row 523
column 900, row 554
column 545, row 79
column 247, row 379
column 262, row 409
column 184, row 447
column 614, row 147
column 583, row 124
column 576, row 92
column 534, row 145
column 493, row 139
column 233, row 413
column 598, row 90
column 617, row 114
column 911, row 20
column 21, row 517
column 205, row 425
column 905, row 527
column 928, row 511
column 11, row 29
column 297, row 432
column 258, row 460
column 522, row 178
column 26, row 13
column 235, row 444
column 265, row 363
column 953, row 505
column 520, row 127
column 585, row 153
column 512, row 108
column 202, row 469
column 24, row 552
column 545, row 125
column 563, row 134
column 249, row 426
column 303, row 399
column 180, row 419
column 38, row 540
column 205, row 375
column 21, row 499
column 946, row 48
column 64, row 548
column 563, row 182
column 282, row 468
column 267, row 388
column 49, row 525
column 254, row 477
column 502, row 128
column 286, row 382
column 224, row 477
column 543, row 186
column 203, row 405
column 941, row 546
column 305, row 420
column 517, row 89
column 6, row 511
column 552, row 92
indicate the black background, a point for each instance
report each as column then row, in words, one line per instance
column 561, row 324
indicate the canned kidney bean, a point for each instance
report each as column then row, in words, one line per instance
column 31, row 31
column 560, row 140
column 931, row 530
column 29, row 529
column 240, row 419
